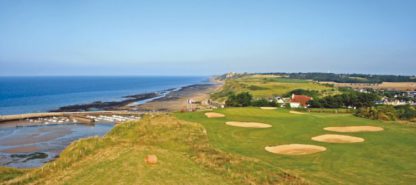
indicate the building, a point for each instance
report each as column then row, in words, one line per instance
column 394, row 101
column 411, row 94
column 279, row 100
column 299, row 101
column 230, row 75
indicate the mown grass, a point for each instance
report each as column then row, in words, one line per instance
column 386, row 157
column 328, row 110
column 267, row 86
column 184, row 157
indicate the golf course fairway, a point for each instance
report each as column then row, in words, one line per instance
column 386, row 157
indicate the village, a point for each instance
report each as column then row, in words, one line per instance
column 393, row 98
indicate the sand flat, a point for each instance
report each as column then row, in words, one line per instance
column 22, row 149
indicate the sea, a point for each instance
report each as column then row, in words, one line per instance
column 44, row 93
column 31, row 143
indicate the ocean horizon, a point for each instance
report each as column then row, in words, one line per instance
column 30, row 94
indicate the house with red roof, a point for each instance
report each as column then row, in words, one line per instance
column 299, row 101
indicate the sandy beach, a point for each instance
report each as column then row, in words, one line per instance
column 178, row 100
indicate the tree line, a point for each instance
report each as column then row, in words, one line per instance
column 345, row 100
column 349, row 78
column 364, row 102
column 245, row 99
column 388, row 112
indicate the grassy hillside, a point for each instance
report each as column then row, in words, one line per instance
column 184, row 157
column 265, row 86
column 193, row 149
column 386, row 157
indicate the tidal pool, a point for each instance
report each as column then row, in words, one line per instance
column 28, row 145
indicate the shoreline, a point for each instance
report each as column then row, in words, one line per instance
column 188, row 98
column 133, row 105
column 136, row 102
column 168, row 100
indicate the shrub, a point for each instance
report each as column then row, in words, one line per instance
column 350, row 99
column 388, row 112
column 263, row 103
column 310, row 93
column 240, row 100
column 256, row 88
column 406, row 112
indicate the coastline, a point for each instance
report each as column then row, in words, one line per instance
column 168, row 100
column 174, row 99
column 197, row 94
column 162, row 101
column 44, row 94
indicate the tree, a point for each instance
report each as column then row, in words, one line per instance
column 353, row 99
column 406, row 112
column 240, row 100
column 365, row 100
column 310, row 93
column 315, row 104
column 263, row 102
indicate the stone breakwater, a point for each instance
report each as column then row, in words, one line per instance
column 6, row 118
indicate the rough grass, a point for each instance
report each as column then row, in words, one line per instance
column 184, row 157
column 266, row 87
column 386, row 157
column 10, row 173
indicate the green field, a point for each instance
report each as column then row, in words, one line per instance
column 193, row 149
column 184, row 157
column 386, row 157
column 261, row 86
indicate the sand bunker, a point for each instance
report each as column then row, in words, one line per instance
column 335, row 138
column 214, row 115
column 248, row 124
column 268, row 108
column 295, row 112
column 295, row 149
column 355, row 129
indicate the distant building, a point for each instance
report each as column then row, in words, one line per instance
column 230, row 75
column 279, row 100
column 411, row 94
column 393, row 101
column 299, row 101
column 363, row 90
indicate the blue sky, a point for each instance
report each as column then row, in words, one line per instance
column 154, row 37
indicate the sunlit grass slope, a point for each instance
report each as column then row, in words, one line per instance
column 184, row 157
column 386, row 157
column 269, row 86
